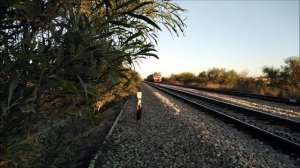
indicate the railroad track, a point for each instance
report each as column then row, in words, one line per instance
column 241, row 94
column 280, row 132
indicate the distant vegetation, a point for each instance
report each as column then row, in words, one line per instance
column 58, row 59
column 281, row 82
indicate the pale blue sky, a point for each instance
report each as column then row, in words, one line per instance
column 239, row 35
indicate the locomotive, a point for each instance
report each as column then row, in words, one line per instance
column 155, row 77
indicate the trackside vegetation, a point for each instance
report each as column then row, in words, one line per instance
column 63, row 60
column 281, row 81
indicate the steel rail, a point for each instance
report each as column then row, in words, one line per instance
column 292, row 123
column 241, row 94
column 274, row 140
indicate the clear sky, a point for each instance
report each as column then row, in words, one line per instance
column 238, row 35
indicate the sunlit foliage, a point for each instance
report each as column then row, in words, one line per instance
column 288, row 74
column 185, row 77
column 56, row 55
column 283, row 81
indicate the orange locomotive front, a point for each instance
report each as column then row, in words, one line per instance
column 155, row 77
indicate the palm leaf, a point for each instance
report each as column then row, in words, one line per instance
column 125, row 4
column 134, row 36
column 11, row 87
column 144, row 18
column 141, row 5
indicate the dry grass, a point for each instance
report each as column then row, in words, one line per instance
column 284, row 92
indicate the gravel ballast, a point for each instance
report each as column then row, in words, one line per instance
column 282, row 109
column 173, row 134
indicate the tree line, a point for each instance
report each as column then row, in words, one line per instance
column 283, row 81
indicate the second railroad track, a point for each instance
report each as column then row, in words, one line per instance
column 280, row 132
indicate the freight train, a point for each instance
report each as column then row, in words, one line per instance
column 155, row 77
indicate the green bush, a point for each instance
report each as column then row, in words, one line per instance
column 281, row 82
column 57, row 55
